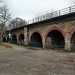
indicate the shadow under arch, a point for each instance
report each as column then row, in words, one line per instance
column 21, row 39
column 4, row 39
column 55, row 38
column 14, row 39
column 36, row 40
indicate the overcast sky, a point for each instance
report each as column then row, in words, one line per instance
column 28, row 9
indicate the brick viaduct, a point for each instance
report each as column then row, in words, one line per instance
column 57, row 32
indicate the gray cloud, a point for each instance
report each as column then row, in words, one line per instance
column 27, row 9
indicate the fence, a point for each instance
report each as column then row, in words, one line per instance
column 21, row 42
column 14, row 42
column 52, row 15
column 55, row 46
column 35, row 44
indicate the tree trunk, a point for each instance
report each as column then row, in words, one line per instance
column 2, row 31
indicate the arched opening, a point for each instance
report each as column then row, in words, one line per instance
column 4, row 39
column 14, row 39
column 35, row 40
column 8, row 39
column 21, row 39
column 55, row 40
column 73, row 42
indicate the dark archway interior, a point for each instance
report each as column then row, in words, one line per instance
column 8, row 39
column 55, row 38
column 4, row 39
column 21, row 39
column 14, row 39
column 35, row 40
column 36, row 37
column 73, row 42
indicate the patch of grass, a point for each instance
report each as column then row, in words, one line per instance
column 35, row 48
column 5, row 46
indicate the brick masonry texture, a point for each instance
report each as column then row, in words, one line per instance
column 66, row 28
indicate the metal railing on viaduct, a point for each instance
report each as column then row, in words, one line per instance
column 52, row 15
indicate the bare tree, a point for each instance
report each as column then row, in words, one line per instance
column 17, row 22
column 4, row 18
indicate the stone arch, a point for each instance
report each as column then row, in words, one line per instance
column 36, row 39
column 7, row 38
column 20, row 34
column 36, row 32
column 72, row 32
column 21, row 39
column 14, row 39
column 72, row 39
column 4, row 39
column 56, row 28
column 55, row 38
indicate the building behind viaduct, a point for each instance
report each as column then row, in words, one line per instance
column 54, row 30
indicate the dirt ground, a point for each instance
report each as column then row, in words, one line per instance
column 19, row 60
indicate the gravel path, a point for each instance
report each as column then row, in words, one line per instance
column 19, row 60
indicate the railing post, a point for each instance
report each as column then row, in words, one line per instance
column 33, row 20
column 51, row 15
column 69, row 9
column 28, row 22
column 59, row 12
column 37, row 19
column 43, row 17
